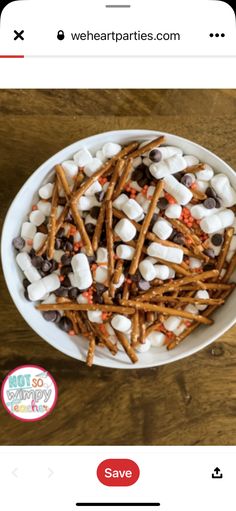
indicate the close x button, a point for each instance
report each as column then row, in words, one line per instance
column 118, row 472
column 19, row 35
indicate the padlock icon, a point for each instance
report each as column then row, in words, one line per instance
column 60, row 35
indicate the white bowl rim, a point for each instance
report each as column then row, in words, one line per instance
column 50, row 162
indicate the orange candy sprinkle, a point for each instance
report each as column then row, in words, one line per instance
column 61, row 278
column 29, row 242
column 34, row 207
column 170, row 198
column 71, row 332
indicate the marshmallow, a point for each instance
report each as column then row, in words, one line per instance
column 94, row 188
column 59, row 211
column 77, row 237
column 206, row 174
column 102, row 255
column 81, row 269
column 37, row 290
column 194, row 263
column 181, row 193
column 172, row 165
column 120, row 281
column 180, row 329
column 191, row 308
column 125, row 252
column 156, row 339
column 95, row 316
column 132, row 209
column 171, row 254
column 162, row 229
column 24, row 262
column 120, row 201
column 221, row 184
column 45, row 192
column 172, row 323
column 101, row 275
column 229, row 255
column 39, row 240
column 199, row 211
column 216, row 222
column 135, row 185
column 58, row 255
column 168, row 151
column 163, row 272
column 147, row 161
column 37, row 217
column 145, row 346
column 147, row 270
column 87, row 202
column 50, row 299
column 202, row 293
column 28, row 230
column 70, row 168
column 45, row 207
column 232, row 246
column 100, row 156
column 121, row 323
column 80, row 298
column 137, row 161
column 90, row 220
column 82, row 157
column 173, row 211
column 190, row 160
column 92, row 166
column 125, row 230
column 111, row 149
column 202, row 185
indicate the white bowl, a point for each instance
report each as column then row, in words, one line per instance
column 76, row 347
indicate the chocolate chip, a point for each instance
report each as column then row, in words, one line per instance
column 178, row 175
column 143, row 181
column 139, row 172
column 97, row 298
column 18, row 243
column 153, row 220
column 65, row 270
column 91, row 259
column 32, row 252
column 100, row 196
column 148, row 174
column 46, row 266
column 210, row 253
column 65, row 324
column 178, row 239
column 90, row 228
column 69, row 218
column 62, row 291
column 42, row 228
column 209, row 203
column 69, row 246
column 57, row 244
column 173, row 234
column 136, row 277
column 54, row 265
column 187, row 180
column 210, row 192
column 208, row 267
column 37, row 262
column 218, row 203
column 26, row 283
column 94, row 212
column 66, row 282
column 66, row 259
column 162, row 203
column 62, row 201
column 26, row 295
column 51, row 315
column 217, row 239
column 60, row 232
column 73, row 293
column 144, row 285
column 155, row 155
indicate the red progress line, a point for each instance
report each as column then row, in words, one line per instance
column 12, row 56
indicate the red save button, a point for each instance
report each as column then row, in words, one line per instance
column 118, row 472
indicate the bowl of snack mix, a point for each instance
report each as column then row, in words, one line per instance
column 120, row 250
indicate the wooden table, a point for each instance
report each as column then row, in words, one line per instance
column 188, row 402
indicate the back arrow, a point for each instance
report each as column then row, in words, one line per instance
column 14, row 472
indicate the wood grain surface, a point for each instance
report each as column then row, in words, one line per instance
column 189, row 402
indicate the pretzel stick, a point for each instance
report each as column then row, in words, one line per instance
column 169, row 286
column 82, row 229
column 195, row 241
column 63, row 181
column 118, row 271
column 100, row 172
column 128, row 349
column 98, row 228
column 81, row 324
column 225, row 248
column 207, row 285
column 194, row 168
column 52, row 222
column 230, row 269
column 123, row 178
column 192, row 327
column 178, row 268
column 114, row 177
column 198, row 194
column 109, row 236
column 150, row 317
column 166, row 311
column 144, row 227
column 142, row 327
column 102, row 337
column 85, row 307
column 72, row 316
column 91, row 350
column 148, row 147
column 152, row 237
column 189, row 299
column 135, row 328
column 153, row 328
